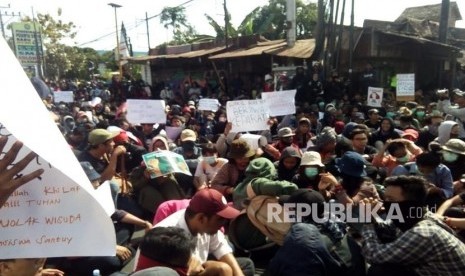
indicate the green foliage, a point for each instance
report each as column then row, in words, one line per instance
column 175, row 18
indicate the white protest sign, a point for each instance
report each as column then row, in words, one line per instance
column 56, row 214
column 146, row 111
column 254, row 140
column 281, row 102
column 63, row 96
column 375, row 96
column 173, row 132
column 209, row 104
column 405, row 85
column 247, row 115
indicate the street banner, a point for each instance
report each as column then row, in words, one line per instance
column 247, row 115
column 163, row 162
column 28, row 42
column 146, row 111
column 280, row 102
column 56, row 214
column 209, row 104
column 375, row 96
column 63, row 96
column 405, row 87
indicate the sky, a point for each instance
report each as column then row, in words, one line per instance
column 95, row 19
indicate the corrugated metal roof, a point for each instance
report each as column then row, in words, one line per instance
column 301, row 49
column 256, row 50
column 191, row 54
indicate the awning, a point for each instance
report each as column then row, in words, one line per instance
column 301, row 49
column 255, row 50
column 191, row 54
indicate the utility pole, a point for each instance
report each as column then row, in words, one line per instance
column 226, row 23
column 1, row 20
column 351, row 40
column 148, row 33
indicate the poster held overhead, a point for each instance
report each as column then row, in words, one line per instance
column 281, row 102
column 248, row 115
column 146, row 111
column 375, row 96
column 405, row 89
column 49, row 216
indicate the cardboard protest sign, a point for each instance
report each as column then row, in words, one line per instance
column 375, row 96
column 247, row 115
column 281, row 102
column 146, row 111
column 254, row 140
column 58, row 213
column 63, row 96
column 164, row 162
column 173, row 132
column 405, row 90
column 209, row 104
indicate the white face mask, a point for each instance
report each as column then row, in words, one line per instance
column 450, row 156
column 210, row 159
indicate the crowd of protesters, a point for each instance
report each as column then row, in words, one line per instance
column 335, row 148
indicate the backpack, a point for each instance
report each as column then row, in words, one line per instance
column 245, row 236
column 257, row 211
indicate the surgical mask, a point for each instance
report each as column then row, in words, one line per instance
column 311, row 172
column 321, row 105
column 403, row 159
column 450, row 156
column 421, row 114
column 210, row 159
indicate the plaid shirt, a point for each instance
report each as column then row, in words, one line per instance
column 427, row 248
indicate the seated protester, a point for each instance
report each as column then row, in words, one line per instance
column 148, row 131
column 406, row 119
column 260, row 179
column 151, row 192
column 239, row 156
column 430, row 131
column 351, row 185
column 419, row 114
column 358, row 118
column 169, row 207
column 453, row 214
column 207, row 125
column 288, row 164
column 133, row 156
column 208, row 167
column 166, row 247
column 373, row 122
column 428, row 165
column 359, row 139
column 188, row 149
column 326, row 247
column 325, row 144
column 399, row 151
column 447, row 130
column 206, row 214
column 286, row 137
column 315, row 124
column 303, row 134
column 423, row 246
column 386, row 131
column 453, row 156
column 310, row 171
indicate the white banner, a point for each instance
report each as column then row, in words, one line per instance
column 63, row 96
column 146, row 111
column 405, row 85
column 375, row 96
column 281, row 102
column 248, row 115
column 209, row 104
column 56, row 214
column 254, row 140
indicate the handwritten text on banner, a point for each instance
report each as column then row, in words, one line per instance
column 281, row 102
column 247, row 115
column 146, row 111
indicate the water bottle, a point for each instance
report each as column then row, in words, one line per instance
column 96, row 272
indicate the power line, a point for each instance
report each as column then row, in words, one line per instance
column 131, row 27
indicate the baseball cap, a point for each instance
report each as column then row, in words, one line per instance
column 99, row 136
column 351, row 163
column 410, row 132
column 459, row 92
column 188, row 135
column 311, row 158
column 211, row 202
column 285, row 132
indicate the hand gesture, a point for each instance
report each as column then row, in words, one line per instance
column 8, row 180
column 123, row 252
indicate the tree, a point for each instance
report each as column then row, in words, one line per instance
column 175, row 18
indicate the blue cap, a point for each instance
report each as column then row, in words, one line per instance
column 351, row 163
